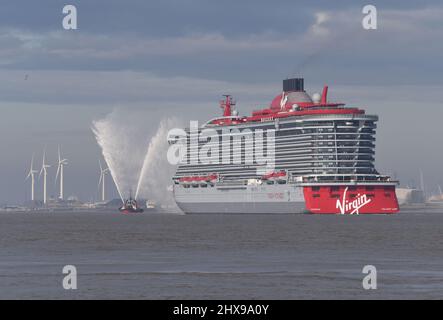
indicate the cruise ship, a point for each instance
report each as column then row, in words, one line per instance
column 322, row 152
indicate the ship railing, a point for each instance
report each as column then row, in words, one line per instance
column 348, row 178
column 209, row 122
column 341, row 116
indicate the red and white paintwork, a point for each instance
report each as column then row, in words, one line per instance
column 277, row 110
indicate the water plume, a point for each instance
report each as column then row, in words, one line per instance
column 118, row 134
column 155, row 176
column 136, row 155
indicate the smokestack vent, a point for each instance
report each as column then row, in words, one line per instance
column 294, row 84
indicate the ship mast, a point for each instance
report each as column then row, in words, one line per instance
column 227, row 105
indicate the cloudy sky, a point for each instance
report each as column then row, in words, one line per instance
column 156, row 59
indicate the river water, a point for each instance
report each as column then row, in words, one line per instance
column 166, row 256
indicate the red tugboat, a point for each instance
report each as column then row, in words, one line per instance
column 130, row 206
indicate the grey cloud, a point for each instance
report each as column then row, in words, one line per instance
column 405, row 37
column 177, row 58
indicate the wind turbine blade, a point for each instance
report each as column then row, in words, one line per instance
column 43, row 163
column 31, row 170
column 100, row 164
column 100, row 181
column 58, row 171
column 59, row 156
column 44, row 158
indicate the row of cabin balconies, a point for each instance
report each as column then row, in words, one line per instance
column 310, row 175
column 300, row 169
column 319, row 153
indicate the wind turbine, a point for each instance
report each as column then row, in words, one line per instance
column 45, row 173
column 61, row 164
column 31, row 175
column 103, row 173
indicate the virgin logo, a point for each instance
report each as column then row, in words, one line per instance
column 352, row 207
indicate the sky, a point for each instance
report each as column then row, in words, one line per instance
column 175, row 58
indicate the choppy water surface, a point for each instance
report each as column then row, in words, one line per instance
column 162, row 256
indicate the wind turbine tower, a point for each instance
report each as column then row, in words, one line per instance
column 103, row 173
column 31, row 175
column 45, row 173
column 61, row 164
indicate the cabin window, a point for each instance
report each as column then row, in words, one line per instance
column 315, row 188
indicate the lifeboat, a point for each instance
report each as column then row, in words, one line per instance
column 278, row 176
column 198, row 180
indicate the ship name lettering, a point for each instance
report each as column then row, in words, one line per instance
column 352, row 207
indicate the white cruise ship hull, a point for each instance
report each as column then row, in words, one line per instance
column 240, row 199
